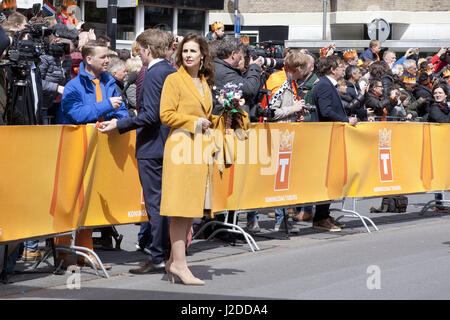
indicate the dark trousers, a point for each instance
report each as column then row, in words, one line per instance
column 150, row 175
column 322, row 212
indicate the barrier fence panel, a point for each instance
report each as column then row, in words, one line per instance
column 56, row 179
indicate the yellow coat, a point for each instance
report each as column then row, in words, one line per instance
column 184, row 171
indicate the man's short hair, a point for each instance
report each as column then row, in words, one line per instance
column 115, row 64
column 89, row 48
column 373, row 83
column 386, row 53
column 374, row 43
column 104, row 38
column 328, row 63
column 227, row 46
column 408, row 63
column 17, row 18
column 350, row 71
column 157, row 40
column 295, row 58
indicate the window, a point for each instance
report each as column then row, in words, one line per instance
column 158, row 17
column 125, row 23
column 97, row 17
column 190, row 21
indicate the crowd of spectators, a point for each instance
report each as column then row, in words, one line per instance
column 374, row 86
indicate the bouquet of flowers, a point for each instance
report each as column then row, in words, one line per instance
column 230, row 98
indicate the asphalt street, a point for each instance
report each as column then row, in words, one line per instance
column 408, row 258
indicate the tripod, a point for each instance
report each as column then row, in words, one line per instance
column 21, row 107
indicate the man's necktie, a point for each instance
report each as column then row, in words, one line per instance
column 98, row 90
column 98, row 93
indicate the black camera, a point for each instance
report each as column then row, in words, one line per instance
column 272, row 53
column 310, row 108
column 268, row 113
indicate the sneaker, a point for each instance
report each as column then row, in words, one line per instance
column 302, row 216
column 138, row 247
column 325, row 224
column 253, row 227
column 31, row 255
column 281, row 227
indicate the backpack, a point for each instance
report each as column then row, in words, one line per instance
column 396, row 204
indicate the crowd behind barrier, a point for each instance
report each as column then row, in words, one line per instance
column 277, row 85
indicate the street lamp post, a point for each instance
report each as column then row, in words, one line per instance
column 324, row 28
column 237, row 26
column 112, row 22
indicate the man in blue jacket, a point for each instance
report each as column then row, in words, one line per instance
column 372, row 53
column 91, row 96
column 151, row 136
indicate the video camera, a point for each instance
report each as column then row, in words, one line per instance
column 271, row 52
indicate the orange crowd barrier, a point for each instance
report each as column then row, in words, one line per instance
column 56, row 179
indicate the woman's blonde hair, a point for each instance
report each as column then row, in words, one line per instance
column 133, row 65
column 134, row 49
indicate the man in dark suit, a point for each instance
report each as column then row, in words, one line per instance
column 330, row 109
column 151, row 136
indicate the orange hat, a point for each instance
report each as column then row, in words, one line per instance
column 447, row 73
column 216, row 25
column 348, row 54
column 409, row 80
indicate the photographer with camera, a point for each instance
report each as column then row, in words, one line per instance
column 287, row 105
column 55, row 69
column 229, row 54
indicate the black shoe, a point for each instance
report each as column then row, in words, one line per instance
column 149, row 267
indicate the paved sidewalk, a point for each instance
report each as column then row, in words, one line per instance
column 201, row 250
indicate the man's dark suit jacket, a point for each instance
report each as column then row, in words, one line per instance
column 326, row 99
column 151, row 134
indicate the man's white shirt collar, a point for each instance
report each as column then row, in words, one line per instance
column 334, row 82
column 154, row 61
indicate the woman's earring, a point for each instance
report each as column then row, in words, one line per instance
column 201, row 63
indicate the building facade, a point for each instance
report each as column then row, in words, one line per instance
column 178, row 16
column 302, row 20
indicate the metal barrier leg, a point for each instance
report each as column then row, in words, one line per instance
column 234, row 229
column 74, row 248
column 355, row 214
column 432, row 203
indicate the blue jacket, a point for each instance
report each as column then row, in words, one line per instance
column 79, row 103
column 368, row 55
column 328, row 102
column 151, row 135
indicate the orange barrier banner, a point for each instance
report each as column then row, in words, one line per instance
column 292, row 163
column 58, row 178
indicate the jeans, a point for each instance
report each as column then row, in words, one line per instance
column 31, row 245
column 305, row 209
column 279, row 215
column 252, row 217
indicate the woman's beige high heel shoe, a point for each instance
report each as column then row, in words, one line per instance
column 187, row 280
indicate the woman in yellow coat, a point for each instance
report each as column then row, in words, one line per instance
column 186, row 105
